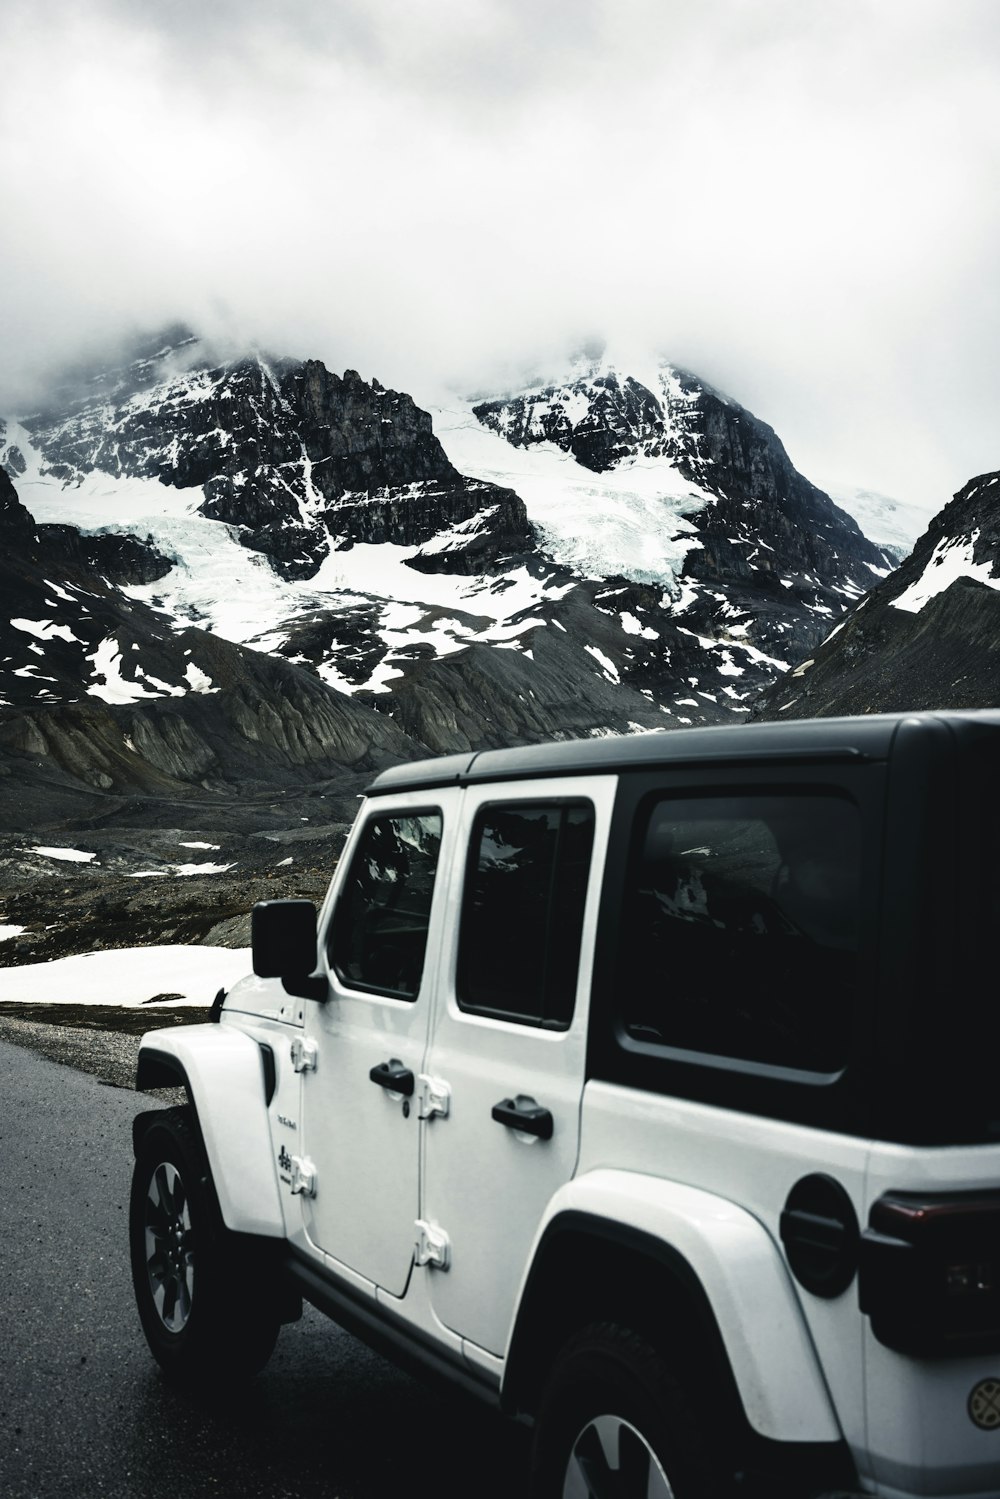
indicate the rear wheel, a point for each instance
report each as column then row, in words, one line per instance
column 614, row 1420
column 206, row 1297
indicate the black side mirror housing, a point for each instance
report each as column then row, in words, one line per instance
column 283, row 942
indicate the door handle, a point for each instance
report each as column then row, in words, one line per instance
column 524, row 1114
column 394, row 1076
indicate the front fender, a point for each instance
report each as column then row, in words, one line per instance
column 744, row 1279
column 222, row 1070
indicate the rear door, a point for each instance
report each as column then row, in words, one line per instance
column 510, row 1035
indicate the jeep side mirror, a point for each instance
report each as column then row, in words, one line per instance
column 283, row 942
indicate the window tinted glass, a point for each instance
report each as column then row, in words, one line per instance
column 741, row 929
column 519, row 946
column 380, row 927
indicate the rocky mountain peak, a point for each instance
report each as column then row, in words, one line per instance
column 301, row 461
column 926, row 637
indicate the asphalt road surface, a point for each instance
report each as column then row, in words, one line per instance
column 83, row 1410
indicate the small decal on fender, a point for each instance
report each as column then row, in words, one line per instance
column 984, row 1405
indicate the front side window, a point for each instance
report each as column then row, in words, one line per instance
column 379, row 930
column 522, row 917
column 741, row 928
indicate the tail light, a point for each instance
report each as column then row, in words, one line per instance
column 929, row 1276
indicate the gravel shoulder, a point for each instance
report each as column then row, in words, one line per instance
column 106, row 1047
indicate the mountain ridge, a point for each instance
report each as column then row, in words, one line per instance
column 436, row 590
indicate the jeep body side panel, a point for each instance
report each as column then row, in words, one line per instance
column 222, row 1069
column 746, row 1284
column 739, row 1158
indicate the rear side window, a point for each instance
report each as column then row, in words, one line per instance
column 741, row 929
column 522, row 915
column 379, row 931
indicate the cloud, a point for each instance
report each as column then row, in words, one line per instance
column 797, row 201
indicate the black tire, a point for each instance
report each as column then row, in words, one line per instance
column 206, row 1296
column 613, row 1419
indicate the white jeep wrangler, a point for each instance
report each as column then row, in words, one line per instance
column 647, row 1087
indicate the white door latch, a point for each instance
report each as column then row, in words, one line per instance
column 304, row 1055
column 433, row 1097
column 303, row 1176
column 433, row 1246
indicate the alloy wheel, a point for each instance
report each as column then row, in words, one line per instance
column 169, row 1253
column 610, row 1459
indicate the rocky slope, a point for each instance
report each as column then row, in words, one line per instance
column 927, row 637
column 99, row 688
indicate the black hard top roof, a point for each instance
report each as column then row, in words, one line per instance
column 862, row 738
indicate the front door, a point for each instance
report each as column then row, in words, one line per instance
column 360, row 1130
column 510, row 1035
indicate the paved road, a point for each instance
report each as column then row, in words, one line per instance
column 83, row 1410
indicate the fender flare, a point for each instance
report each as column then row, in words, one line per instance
column 726, row 1259
column 225, row 1074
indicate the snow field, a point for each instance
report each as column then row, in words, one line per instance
column 130, row 977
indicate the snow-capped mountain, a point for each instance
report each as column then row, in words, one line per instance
column 602, row 553
column 927, row 637
column 894, row 525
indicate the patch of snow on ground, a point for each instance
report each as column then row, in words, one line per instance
column 45, row 629
column 130, row 977
column 199, row 680
column 71, row 855
column 199, row 845
column 755, row 655
column 107, row 659
column 633, row 626
column 7, row 932
column 605, row 662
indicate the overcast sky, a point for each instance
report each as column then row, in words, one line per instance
column 798, row 199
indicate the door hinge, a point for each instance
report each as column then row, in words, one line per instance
column 303, row 1176
column 304, row 1055
column 433, row 1097
column 433, row 1245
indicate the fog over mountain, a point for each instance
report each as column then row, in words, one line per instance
column 796, row 201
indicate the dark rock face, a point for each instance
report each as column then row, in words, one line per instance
column 16, row 524
column 622, row 418
column 298, row 459
column 715, row 444
column 116, row 557
column 943, row 654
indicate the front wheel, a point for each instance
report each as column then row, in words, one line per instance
column 206, row 1297
column 613, row 1419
